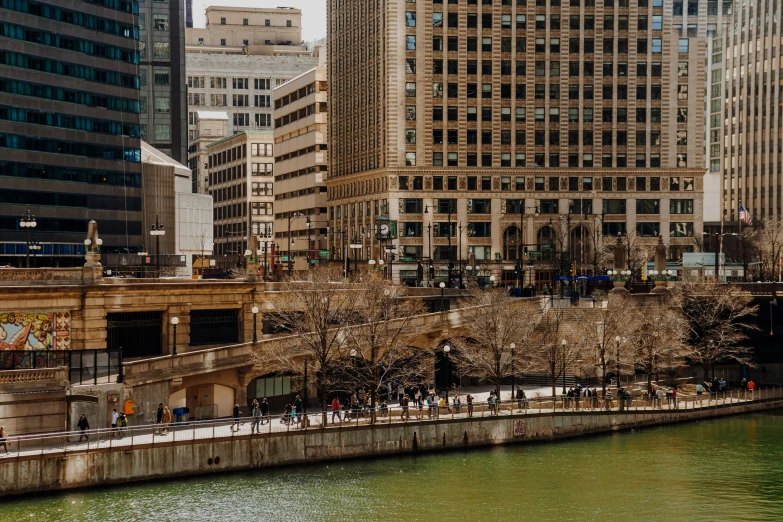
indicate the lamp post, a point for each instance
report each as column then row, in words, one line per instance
column 442, row 286
column 156, row 231
column 28, row 222
column 142, row 254
column 35, row 246
column 175, row 322
column 291, row 240
column 564, row 344
column 512, row 346
column 492, row 281
column 617, row 341
column 446, row 350
column 355, row 244
column 255, row 332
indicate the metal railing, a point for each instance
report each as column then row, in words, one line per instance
column 282, row 425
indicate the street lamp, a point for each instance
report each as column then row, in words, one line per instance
column 564, row 343
column 492, row 280
column 512, row 346
column 617, row 340
column 28, row 222
column 255, row 315
column 442, row 286
column 142, row 254
column 355, row 244
column 175, row 322
column 35, row 246
column 156, row 231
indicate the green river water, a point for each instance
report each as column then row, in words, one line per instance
column 723, row 469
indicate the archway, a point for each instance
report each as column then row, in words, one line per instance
column 512, row 240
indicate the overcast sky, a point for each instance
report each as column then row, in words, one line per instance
column 313, row 13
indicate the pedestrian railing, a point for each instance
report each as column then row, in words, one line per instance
column 128, row 438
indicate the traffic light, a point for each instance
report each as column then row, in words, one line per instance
column 525, row 250
column 432, row 271
column 573, row 270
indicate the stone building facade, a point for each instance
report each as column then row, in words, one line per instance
column 485, row 128
column 301, row 162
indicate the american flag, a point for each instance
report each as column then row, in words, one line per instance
column 744, row 216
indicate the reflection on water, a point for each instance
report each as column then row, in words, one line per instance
column 725, row 469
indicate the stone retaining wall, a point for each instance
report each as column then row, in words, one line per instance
column 30, row 474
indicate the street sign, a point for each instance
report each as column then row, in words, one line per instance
column 546, row 247
column 284, row 258
column 535, row 255
column 323, row 253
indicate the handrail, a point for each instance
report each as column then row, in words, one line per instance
column 282, row 425
column 34, row 375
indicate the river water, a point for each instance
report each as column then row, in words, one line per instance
column 722, row 469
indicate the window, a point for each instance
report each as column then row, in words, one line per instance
column 480, row 206
column 160, row 22
column 410, row 18
column 549, row 206
column 648, row 229
column 160, row 76
column 614, row 206
column 162, row 132
column 682, row 69
column 648, row 206
column 683, row 46
column 410, row 89
column 410, row 43
column 681, row 229
column 681, row 206
column 162, row 104
column 160, row 50
column 410, row 159
column 682, row 160
column 412, row 206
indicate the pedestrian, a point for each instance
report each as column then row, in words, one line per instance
column 122, row 423
column 469, row 400
column 286, row 419
column 114, row 417
column 404, row 403
column 421, row 405
column 354, row 406
column 336, row 409
column 669, row 397
column 699, row 389
column 264, row 410
column 457, row 400
column 660, row 394
column 491, row 402
column 255, row 413
column 165, row 420
column 3, row 442
column 520, row 396
column 83, row 425
column 298, row 405
column 235, row 415
column 417, row 398
column 674, row 398
column 294, row 416
column 160, row 415
column 751, row 386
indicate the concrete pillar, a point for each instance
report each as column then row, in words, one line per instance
column 240, row 393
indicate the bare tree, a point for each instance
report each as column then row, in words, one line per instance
column 557, row 348
column 603, row 328
column 318, row 314
column 718, row 319
column 770, row 244
column 378, row 340
column 658, row 339
column 497, row 322
column 637, row 251
column 204, row 241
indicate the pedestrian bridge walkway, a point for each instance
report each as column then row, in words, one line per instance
column 123, row 439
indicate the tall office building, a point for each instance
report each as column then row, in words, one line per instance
column 483, row 129
column 746, row 130
column 162, row 71
column 301, row 160
column 69, row 105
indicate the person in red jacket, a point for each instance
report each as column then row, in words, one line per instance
column 335, row 408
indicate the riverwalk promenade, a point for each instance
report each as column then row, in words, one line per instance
column 99, row 457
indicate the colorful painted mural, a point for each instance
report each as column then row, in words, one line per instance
column 35, row 330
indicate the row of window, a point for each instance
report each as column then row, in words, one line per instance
column 67, row 121
column 73, row 70
column 588, row 160
column 70, row 174
column 544, row 206
column 54, row 199
column 160, row 50
column 69, row 43
column 608, row 137
column 520, row 21
column 71, row 148
column 88, row 21
column 49, row 92
column 127, row 6
column 484, row 229
column 74, row 226
column 519, row 67
column 555, row 3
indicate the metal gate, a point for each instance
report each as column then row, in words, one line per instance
column 139, row 334
column 214, row 327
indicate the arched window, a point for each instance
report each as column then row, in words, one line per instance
column 512, row 239
column 581, row 247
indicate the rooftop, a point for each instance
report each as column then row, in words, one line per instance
column 248, row 132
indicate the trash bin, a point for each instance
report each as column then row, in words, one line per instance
column 181, row 416
column 518, row 292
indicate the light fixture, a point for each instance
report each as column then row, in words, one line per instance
column 353, row 353
column 468, row 268
column 371, row 262
column 447, row 348
column 512, row 346
column 442, row 285
column 254, row 310
column 380, row 262
column 564, row 342
column 99, row 241
column 248, row 253
column 492, row 278
column 175, row 320
column 87, row 242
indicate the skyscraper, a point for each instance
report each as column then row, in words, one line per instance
column 69, row 127
column 484, row 129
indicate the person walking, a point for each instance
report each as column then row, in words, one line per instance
column 404, row 403
column 674, row 398
column 469, row 400
column 83, row 425
column 114, row 417
column 264, row 410
column 159, row 417
column 3, row 437
column 699, row 389
column 751, row 386
column 166, row 420
column 417, row 398
column 122, row 424
column 336, row 409
column 235, row 415
column 354, row 406
column 298, row 405
column 255, row 413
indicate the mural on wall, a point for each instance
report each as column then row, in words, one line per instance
column 35, row 330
